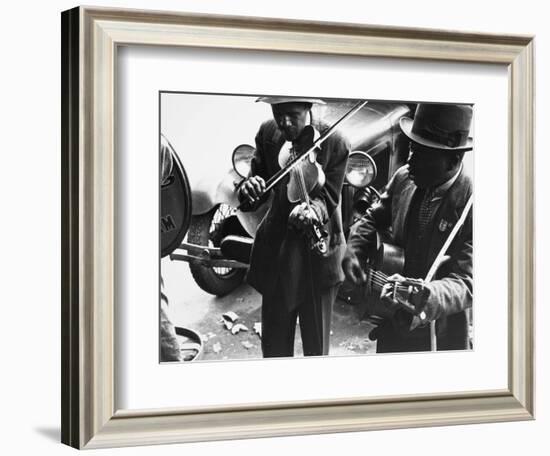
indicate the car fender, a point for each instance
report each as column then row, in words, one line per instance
column 208, row 193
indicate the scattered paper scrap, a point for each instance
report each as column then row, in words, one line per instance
column 230, row 316
column 207, row 337
column 228, row 324
column 238, row 327
column 258, row 328
column 217, row 347
column 247, row 344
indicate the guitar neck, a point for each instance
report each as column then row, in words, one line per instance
column 376, row 279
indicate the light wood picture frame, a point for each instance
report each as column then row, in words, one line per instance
column 90, row 38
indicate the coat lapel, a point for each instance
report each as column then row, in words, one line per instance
column 448, row 214
column 400, row 217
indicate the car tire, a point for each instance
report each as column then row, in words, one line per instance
column 202, row 231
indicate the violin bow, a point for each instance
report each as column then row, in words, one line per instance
column 443, row 251
column 276, row 178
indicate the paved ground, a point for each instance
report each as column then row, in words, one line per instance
column 192, row 308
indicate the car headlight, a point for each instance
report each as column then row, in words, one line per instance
column 361, row 169
column 242, row 156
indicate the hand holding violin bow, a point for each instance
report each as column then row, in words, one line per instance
column 252, row 189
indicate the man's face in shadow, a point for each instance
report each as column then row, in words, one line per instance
column 291, row 118
column 431, row 167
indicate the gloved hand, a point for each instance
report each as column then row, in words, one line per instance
column 301, row 217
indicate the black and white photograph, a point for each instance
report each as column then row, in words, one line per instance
column 275, row 228
column 312, row 226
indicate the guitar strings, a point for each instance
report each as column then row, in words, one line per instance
column 378, row 278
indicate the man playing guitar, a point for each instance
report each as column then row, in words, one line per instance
column 421, row 205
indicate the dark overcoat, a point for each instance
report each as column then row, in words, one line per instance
column 278, row 258
column 450, row 296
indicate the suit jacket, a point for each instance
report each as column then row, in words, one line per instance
column 280, row 256
column 451, row 294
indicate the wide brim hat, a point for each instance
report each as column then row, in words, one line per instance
column 281, row 100
column 440, row 126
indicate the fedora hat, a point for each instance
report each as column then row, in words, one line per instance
column 440, row 126
column 281, row 100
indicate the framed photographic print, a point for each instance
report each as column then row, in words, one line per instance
column 281, row 227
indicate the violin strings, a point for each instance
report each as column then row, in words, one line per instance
column 301, row 182
column 298, row 175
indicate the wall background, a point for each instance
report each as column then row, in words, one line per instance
column 30, row 239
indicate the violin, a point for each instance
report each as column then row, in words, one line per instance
column 306, row 175
column 278, row 176
column 306, row 181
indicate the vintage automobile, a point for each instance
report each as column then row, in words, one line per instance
column 220, row 237
column 175, row 195
column 175, row 217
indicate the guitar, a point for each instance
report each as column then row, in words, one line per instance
column 389, row 259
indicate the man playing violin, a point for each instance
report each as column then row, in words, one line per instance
column 296, row 283
column 420, row 206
